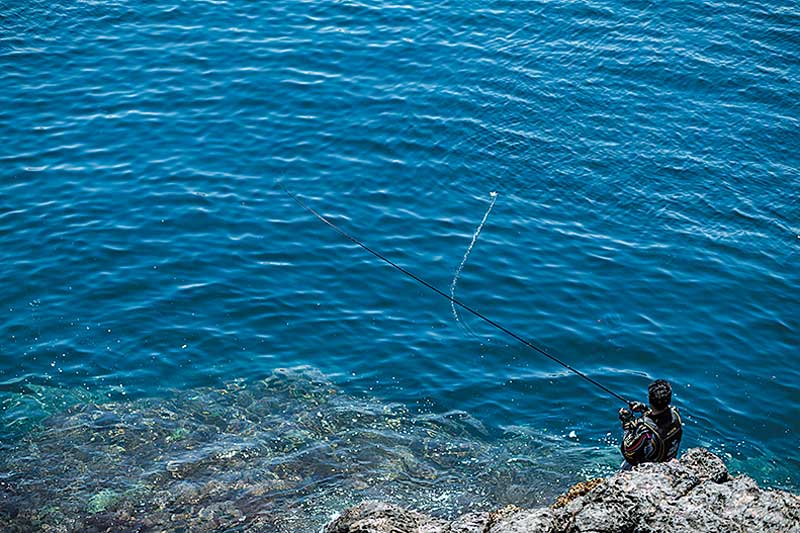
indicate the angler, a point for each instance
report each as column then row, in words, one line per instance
column 655, row 436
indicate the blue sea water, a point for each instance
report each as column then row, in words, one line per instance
column 646, row 157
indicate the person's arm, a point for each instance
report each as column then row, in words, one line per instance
column 638, row 442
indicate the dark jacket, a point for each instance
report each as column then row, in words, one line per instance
column 652, row 438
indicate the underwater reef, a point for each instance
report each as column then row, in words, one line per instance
column 695, row 493
column 279, row 454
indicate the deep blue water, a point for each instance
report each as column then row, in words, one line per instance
column 646, row 156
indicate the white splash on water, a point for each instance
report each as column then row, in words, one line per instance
column 493, row 195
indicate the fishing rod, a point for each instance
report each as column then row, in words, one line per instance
column 452, row 299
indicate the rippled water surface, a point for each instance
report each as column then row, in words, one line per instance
column 181, row 343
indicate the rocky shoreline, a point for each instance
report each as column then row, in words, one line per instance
column 284, row 453
column 695, row 493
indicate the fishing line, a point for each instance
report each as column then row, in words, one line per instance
column 452, row 300
column 464, row 261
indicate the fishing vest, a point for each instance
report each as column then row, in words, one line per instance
column 668, row 436
column 650, row 442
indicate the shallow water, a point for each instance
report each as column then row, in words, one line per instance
column 281, row 454
column 646, row 160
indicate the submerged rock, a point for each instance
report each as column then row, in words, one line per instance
column 693, row 494
column 278, row 455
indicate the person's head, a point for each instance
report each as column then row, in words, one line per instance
column 659, row 394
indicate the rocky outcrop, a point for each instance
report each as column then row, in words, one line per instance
column 694, row 494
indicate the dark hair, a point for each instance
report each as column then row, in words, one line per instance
column 659, row 394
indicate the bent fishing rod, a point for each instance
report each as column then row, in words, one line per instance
column 452, row 299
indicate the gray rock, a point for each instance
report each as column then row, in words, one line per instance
column 384, row 518
column 524, row 521
column 693, row 494
column 705, row 465
column 470, row 522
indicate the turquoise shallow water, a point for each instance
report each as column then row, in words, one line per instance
column 646, row 160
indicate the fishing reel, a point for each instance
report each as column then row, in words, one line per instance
column 637, row 407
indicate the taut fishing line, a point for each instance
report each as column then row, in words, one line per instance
column 464, row 260
column 453, row 300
